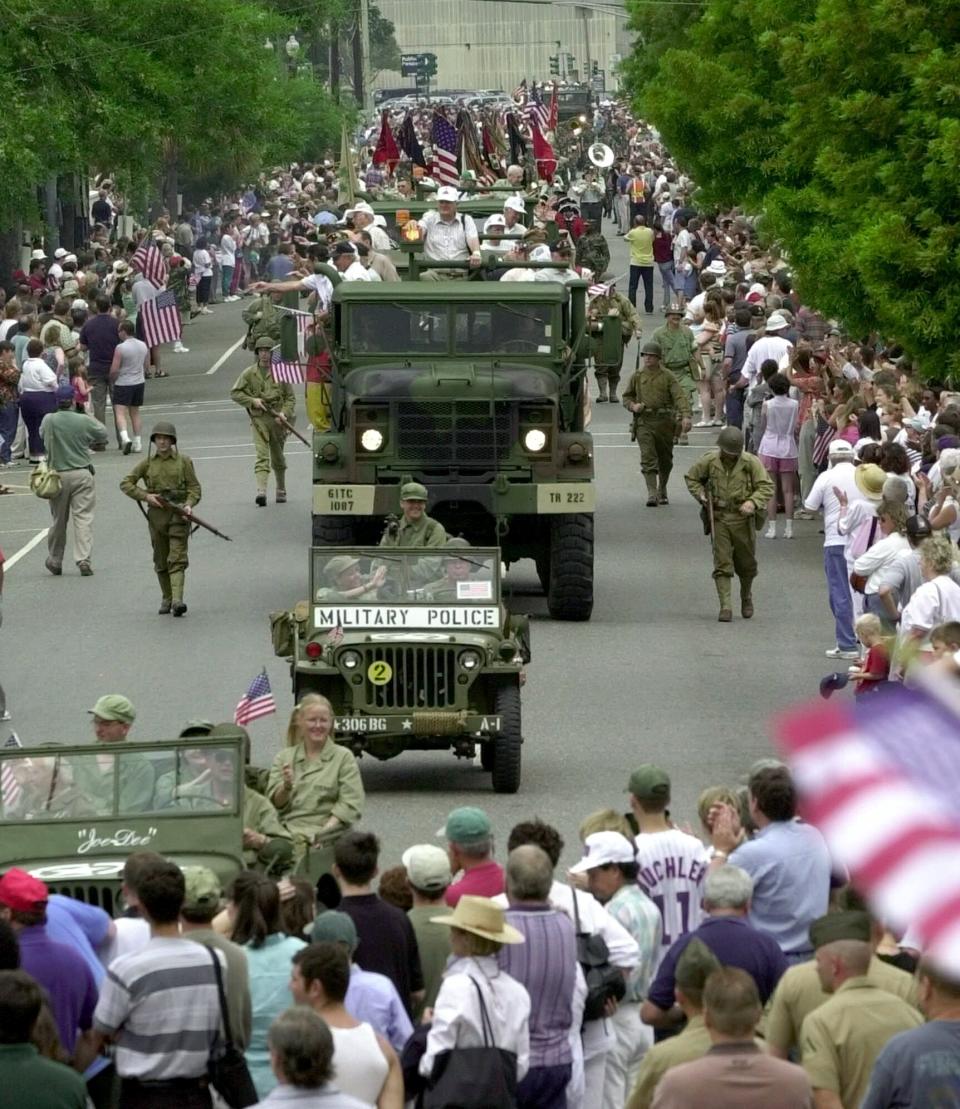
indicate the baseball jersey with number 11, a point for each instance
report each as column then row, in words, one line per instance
column 671, row 867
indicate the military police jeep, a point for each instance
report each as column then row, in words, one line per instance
column 415, row 652
column 476, row 390
column 70, row 815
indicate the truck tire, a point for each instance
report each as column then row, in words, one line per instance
column 508, row 742
column 570, row 593
column 332, row 531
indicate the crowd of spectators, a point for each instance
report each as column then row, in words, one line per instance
column 660, row 965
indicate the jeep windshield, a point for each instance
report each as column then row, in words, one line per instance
column 111, row 783
column 451, row 329
column 404, row 580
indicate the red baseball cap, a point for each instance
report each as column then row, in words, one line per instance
column 22, row 892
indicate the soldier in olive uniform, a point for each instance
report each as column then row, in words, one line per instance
column 739, row 487
column 256, row 391
column 593, row 251
column 348, row 584
column 677, row 343
column 657, row 401
column 113, row 716
column 262, row 320
column 456, row 569
column 415, row 528
column 167, row 473
column 611, row 303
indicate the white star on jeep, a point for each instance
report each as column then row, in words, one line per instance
column 407, row 725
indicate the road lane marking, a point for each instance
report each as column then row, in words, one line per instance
column 226, row 354
column 25, row 550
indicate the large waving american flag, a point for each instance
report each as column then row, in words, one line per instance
column 282, row 369
column 881, row 780
column 537, row 112
column 148, row 259
column 443, row 140
column 160, row 319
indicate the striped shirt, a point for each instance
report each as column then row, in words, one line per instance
column 161, row 1007
column 546, row 966
column 641, row 918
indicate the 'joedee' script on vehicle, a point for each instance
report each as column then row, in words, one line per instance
column 406, row 618
column 123, row 837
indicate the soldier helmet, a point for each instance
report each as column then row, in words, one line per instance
column 338, row 565
column 264, row 343
column 652, row 347
column 413, row 491
column 674, row 310
column 163, row 428
column 457, row 541
column 730, row 440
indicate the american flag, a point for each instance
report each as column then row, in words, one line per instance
column 443, row 139
column 537, row 112
column 148, row 259
column 826, row 433
column 160, row 319
column 890, row 816
column 10, row 788
column 597, row 291
column 256, row 702
column 281, row 369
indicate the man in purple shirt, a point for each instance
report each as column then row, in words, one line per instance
column 729, row 935
column 61, row 971
column 100, row 336
column 546, row 966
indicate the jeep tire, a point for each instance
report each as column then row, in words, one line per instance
column 508, row 742
column 570, row 588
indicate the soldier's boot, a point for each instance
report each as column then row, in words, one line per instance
column 723, row 592
column 178, row 608
column 746, row 598
column 602, row 384
column 614, row 382
column 165, row 597
column 662, row 488
column 653, row 496
column 260, row 500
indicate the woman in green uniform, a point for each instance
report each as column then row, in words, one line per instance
column 315, row 785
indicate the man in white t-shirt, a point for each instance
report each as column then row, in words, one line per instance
column 448, row 236
column 772, row 345
column 671, row 864
column 317, row 284
column 347, row 261
column 839, row 478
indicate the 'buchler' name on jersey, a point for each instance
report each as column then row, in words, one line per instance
column 673, row 866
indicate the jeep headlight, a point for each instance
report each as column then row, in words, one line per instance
column 469, row 660
column 508, row 650
column 371, row 439
column 350, row 660
column 535, row 440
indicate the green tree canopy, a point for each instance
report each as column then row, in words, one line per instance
column 839, row 123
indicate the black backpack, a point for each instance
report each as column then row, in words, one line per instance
column 604, row 981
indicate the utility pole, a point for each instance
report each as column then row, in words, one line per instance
column 585, row 15
column 366, row 98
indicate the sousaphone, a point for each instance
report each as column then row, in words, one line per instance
column 600, row 155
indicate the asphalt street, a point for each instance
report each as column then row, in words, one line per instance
column 652, row 677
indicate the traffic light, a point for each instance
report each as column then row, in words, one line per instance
column 430, row 65
column 594, row 69
column 555, row 64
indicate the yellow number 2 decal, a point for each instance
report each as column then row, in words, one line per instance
column 379, row 672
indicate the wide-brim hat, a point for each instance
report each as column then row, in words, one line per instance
column 869, row 479
column 481, row 917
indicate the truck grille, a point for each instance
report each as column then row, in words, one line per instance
column 460, row 433
column 423, row 677
column 101, row 896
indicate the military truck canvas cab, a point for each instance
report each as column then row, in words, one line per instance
column 70, row 815
column 475, row 389
column 415, row 651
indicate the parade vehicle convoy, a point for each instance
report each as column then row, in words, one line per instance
column 415, row 651
column 476, row 389
column 70, row 815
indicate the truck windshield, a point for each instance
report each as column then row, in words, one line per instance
column 450, row 329
column 111, row 783
column 457, row 576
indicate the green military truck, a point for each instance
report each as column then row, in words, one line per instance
column 476, row 389
column 414, row 650
column 70, row 815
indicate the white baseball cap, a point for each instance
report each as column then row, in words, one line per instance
column 840, row 448
column 60, row 252
column 516, row 203
column 447, row 192
column 604, row 849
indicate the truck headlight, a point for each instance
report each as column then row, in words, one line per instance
column 469, row 660
column 371, row 439
column 350, row 660
column 535, row 440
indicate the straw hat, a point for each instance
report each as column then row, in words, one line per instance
column 482, row 917
column 869, row 479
